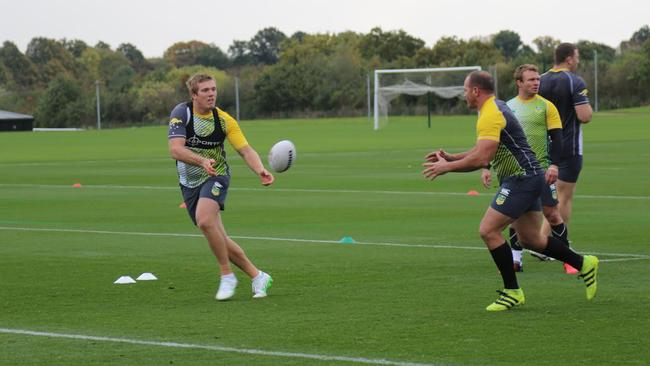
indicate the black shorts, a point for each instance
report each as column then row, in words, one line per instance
column 549, row 195
column 570, row 167
column 214, row 188
column 518, row 195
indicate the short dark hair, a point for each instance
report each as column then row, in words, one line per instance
column 563, row 51
column 482, row 80
column 519, row 71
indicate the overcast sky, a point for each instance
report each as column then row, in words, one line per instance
column 154, row 25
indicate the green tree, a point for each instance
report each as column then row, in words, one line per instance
column 508, row 42
column 19, row 68
column 545, row 51
column 62, row 105
column 588, row 48
column 264, row 47
column 51, row 57
column 389, row 46
column 212, row 56
column 74, row 46
column 190, row 53
column 135, row 57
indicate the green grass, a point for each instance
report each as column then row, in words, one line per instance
column 420, row 303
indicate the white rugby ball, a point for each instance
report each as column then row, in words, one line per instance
column 282, row 156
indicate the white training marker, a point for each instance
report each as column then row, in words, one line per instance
column 147, row 277
column 123, row 280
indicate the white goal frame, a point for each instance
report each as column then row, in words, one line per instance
column 410, row 71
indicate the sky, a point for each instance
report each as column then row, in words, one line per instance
column 154, row 25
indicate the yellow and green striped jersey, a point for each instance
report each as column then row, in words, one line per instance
column 204, row 137
column 536, row 116
column 514, row 157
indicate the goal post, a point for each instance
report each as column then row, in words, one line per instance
column 445, row 82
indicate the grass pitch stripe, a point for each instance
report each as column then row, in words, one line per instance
column 257, row 352
column 627, row 256
column 307, row 190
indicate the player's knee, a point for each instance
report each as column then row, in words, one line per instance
column 487, row 234
column 205, row 223
column 552, row 215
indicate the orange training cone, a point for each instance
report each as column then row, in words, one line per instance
column 472, row 193
column 76, row 185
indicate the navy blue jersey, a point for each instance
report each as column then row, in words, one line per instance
column 566, row 90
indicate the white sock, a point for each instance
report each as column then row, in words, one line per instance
column 516, row 256
column 259, row 276
column 229, row 276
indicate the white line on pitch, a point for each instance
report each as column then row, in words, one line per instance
column 623, row 259
column 269, row 238
column 259, row 352
column 304, row 190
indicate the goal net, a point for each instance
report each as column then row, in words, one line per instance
column 443, row 82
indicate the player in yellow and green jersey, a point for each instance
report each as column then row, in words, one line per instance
column 542, row 125
column 197, row 133
column 501, row 141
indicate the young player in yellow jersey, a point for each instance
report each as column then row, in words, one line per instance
column 542, row 125
column 197, row 132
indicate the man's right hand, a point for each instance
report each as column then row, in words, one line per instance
column 486, row 177
column 208, row 166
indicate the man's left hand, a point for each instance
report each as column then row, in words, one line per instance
column 434, row 169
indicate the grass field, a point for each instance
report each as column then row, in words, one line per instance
column 412, row 290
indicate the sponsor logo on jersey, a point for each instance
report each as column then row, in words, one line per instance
column 584, row 92
column 216, row 189
column 194, row 141
column 175, row 121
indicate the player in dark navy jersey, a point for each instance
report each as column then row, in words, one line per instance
column 568, row 92
column 502, row 142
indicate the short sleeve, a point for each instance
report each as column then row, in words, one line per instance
column 177, row 122
column 234, row 133
column 489, row 126
column 553, row 119
column 579, row 92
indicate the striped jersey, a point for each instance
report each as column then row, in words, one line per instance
column 536, row 116
column 566, row 90
column 514, row 157
column 204, row 135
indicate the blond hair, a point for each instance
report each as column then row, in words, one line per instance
column 519, row 71
column 194, row 81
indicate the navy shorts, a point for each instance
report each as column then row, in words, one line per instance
column 518, row 195
column 570, row 167
column 549, row 195
column 214, row 188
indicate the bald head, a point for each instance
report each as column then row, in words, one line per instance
column 482, row 80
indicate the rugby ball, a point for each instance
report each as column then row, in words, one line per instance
column 282, row 156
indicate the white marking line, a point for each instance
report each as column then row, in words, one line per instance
column 291, row 190
column 269, row 238
column 249, row 351
column 623, row 259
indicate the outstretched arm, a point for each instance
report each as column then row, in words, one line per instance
column 254, row 162
column 477, row 158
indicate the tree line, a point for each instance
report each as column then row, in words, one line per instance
column 302, row 74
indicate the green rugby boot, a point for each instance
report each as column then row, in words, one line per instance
column 507, row 299
column 589, row 273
